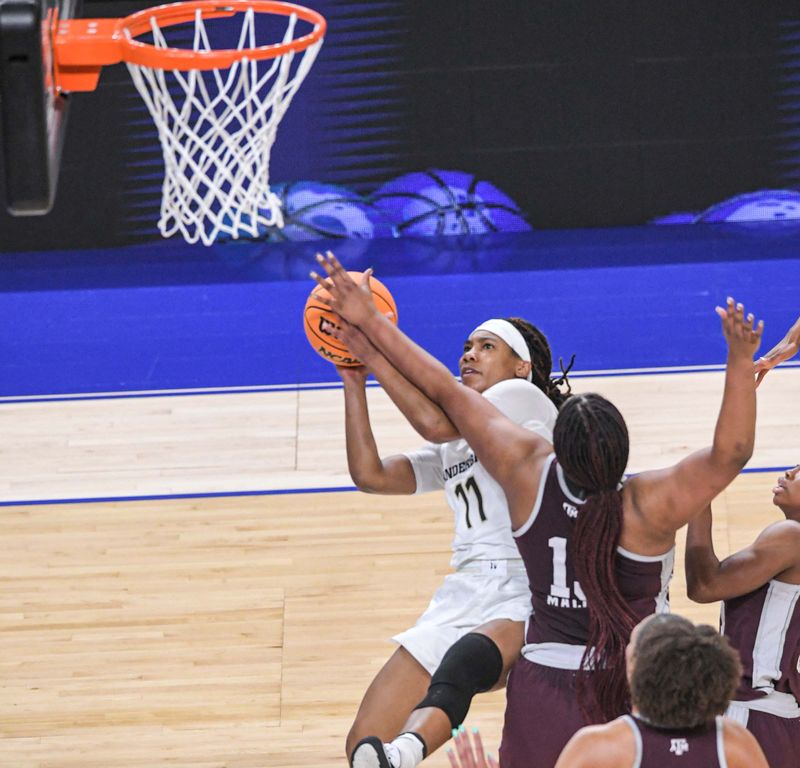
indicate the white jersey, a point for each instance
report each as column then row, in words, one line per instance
column 482, row 521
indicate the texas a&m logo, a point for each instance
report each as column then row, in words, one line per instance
column 678, row 746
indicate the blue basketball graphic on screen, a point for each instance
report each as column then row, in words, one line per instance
column 447, row 203
column 313, row 210
column 679, row 217
column 765, row 205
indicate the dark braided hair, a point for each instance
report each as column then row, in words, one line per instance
column 542, row 362
column 683, row 675
column 591, row 443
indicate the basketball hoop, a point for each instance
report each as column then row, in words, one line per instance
column 217, row 110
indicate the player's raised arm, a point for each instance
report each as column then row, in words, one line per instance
column 370, row 472
column 666, row 499
column 500, row 444
column 776, row 550
column 427, row 418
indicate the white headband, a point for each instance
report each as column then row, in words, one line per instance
column 511, row 336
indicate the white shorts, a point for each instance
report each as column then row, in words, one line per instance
column 479, row 592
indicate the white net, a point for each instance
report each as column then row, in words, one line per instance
column 216, row 130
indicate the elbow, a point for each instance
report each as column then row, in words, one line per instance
column 365, row 482
column 438, row 431
column 366, row 487
column 699, row 593
column 742, row 453
column 733, row 458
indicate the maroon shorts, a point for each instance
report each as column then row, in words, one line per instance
column 542, row 714
column 779, row 738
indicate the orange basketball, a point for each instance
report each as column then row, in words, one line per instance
column 319, row 322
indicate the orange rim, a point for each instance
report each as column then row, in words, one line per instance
column 146, row 55
column 83, row 46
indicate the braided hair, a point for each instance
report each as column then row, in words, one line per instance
column 590, row 440
column 542, row 362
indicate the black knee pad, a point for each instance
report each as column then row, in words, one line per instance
column 471, row 665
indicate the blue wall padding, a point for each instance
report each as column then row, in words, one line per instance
column 172, row 316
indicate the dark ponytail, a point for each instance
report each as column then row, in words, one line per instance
column 542, row 362
column 591, row 443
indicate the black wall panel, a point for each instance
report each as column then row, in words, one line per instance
column 586, row 113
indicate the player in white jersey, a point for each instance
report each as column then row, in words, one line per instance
column 481, row 608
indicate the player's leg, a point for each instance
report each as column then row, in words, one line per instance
column 472, row 665
column 390, row 698
column 542, row 714
column 477, row 662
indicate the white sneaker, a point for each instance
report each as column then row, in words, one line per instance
column 370, row 753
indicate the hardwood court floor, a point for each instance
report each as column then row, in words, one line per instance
column 226, row 632
column 204, row 443
column 241, row 632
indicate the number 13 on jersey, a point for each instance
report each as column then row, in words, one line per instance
column 560, row 594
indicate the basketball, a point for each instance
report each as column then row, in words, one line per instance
column 320, row 323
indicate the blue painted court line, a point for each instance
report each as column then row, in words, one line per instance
column 236, row 494
column 172, row 496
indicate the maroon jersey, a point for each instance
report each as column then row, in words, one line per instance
column 764, row 626
column 559, row 605
column 685, row 747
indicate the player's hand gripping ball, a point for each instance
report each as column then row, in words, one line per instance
column 320, row 323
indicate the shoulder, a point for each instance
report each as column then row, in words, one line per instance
column 643, row 533
column 781, row 531
column 600, row 746
column 781, row 542
column 521, row 401
column 741, row 748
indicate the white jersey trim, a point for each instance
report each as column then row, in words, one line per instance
column 667, row 561
column 539, row 494
column 723, row 763
column 670, row 553
column 776, row 615
column 637, row 737
column 558, row 655
column 774, row 703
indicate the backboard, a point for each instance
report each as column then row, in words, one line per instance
column 33, row 112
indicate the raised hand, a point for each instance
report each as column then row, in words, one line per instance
column 784, row 350
column 742, row 338
column 349, row 300
column 358, row 344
